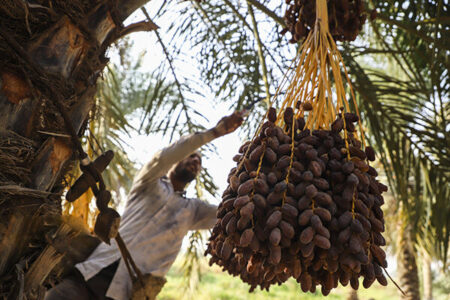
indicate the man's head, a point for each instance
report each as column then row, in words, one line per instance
column 185, row 171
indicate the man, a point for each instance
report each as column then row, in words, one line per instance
column 156, row 218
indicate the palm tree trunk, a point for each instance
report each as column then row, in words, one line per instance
column 427, row 277
column 51, row 57
column 352, row 295
column 408, row 272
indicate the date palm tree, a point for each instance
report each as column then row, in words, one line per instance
column 52, row 53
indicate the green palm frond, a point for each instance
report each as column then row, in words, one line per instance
column 107, row 131
column 406, row 104
column 192, row 262
column 226, row 43
column 408, row 135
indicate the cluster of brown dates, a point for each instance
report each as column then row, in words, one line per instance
column 345, row 18
column 302, row 204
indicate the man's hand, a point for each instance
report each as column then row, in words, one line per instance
column 229, row 124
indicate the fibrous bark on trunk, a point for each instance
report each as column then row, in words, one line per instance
column 52, row 53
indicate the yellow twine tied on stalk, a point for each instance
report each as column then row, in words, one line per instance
column 310, row 85
column 310, row 81
column 317, row 182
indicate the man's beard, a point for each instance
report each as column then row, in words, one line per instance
column 184, row 175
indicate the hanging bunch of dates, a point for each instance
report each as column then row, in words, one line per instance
column 345, row 18
column 302, row 203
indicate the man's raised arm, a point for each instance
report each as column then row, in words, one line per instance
column 167, row 157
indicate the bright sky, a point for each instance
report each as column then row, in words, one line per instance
column 143, row 147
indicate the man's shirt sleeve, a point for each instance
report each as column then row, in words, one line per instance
column 204, row 215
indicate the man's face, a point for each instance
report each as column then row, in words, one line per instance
column 187, row 169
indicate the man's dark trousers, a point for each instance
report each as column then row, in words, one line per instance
column 75, row 287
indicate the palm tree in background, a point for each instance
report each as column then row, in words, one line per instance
column 407, row 110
